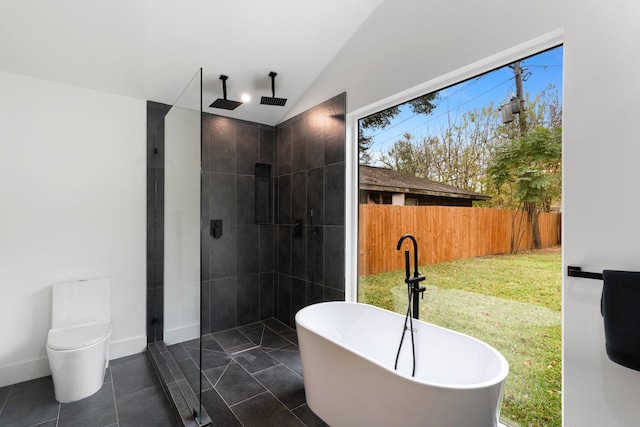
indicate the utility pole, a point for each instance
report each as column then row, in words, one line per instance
column 530, row 207
column 522, row 119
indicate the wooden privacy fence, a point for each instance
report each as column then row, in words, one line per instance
column 443, row 233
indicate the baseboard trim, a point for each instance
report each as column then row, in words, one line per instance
column 37, row 368
column 181, row 334
column 127, row 347
column 24, row 371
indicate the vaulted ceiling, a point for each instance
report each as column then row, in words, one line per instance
column 150, row 49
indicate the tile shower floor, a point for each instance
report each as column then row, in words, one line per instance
column 252, row 376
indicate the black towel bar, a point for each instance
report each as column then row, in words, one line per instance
column 577, row 272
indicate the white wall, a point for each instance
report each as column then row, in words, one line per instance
column 409, row 45
column 72, row 206
column 601, row 181
column 405, row 43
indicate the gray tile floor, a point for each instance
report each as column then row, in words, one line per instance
column 252, row 376
column 130, row 396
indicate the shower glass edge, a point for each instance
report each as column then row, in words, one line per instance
column 181, row 267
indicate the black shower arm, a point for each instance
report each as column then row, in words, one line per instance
column 224, row 86
column 273, row 75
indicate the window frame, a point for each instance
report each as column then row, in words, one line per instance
column 500, row 59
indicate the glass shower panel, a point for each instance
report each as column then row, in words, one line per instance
column 182, row 217
column 182, row 225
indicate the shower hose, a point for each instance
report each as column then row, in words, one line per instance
column 408, row 317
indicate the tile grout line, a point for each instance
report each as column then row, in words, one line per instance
column 242, row 351
column 299, row 406
column 262, row 335
column 222, row 374
column 6, row 399
column 267, row 351
column 283, row 337
column 283, row 364
column 266, row 369
column 260, row 325
column 271, row 350
column 278, row 400
column 222, row 397
column 287, row 367
column 113, row 393
column 294, row 414
column 259, row 382
column 249, row 398
column 266, row 388
column 229, row 407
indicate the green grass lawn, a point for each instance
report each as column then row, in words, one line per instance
column 511, row 302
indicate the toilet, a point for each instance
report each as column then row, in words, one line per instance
column 78, row 341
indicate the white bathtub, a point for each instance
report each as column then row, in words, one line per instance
column 348, row 352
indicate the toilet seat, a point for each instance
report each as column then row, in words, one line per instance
column 75, row 337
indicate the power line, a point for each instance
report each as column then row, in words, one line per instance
column 543, row 66
column 462, row 87
column 441, row 115
column 471, row 82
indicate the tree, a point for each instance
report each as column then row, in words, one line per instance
column 463, row 147
column 478, row 152
column 530, row 168
column 456, row 154
column 380, row 120
column 544, row 111
column 401, row 156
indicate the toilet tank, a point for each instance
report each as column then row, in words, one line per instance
column 76, row 303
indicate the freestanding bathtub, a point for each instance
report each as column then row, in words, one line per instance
column 348, row 353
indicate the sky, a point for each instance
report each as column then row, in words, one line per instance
column 498, row 86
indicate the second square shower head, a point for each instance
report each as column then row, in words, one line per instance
column 272, row 100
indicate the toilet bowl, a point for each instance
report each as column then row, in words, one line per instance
column 78, row 341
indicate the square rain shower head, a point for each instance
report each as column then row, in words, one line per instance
column 272, row 100
column 225, row 104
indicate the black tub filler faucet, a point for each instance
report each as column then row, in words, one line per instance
column 412, row 281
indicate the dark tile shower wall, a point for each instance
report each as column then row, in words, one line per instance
column 310, row 176
column 237, row 268
column 258, row 271
column 155, row 219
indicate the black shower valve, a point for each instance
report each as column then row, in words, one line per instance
column 216, row 228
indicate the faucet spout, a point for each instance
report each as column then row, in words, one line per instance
column 412, row 282
column 415, row 253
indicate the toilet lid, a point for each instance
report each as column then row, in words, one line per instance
column 77, row 336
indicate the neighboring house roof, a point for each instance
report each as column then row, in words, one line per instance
column 381, row 179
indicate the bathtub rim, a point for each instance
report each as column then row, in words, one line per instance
column 499, row 378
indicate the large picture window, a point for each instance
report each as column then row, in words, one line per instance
column 474, row 172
